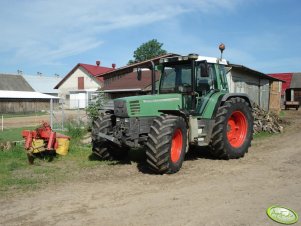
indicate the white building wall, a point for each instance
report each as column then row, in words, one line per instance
column 69, row 92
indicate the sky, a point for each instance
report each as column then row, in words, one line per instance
column 52, row 36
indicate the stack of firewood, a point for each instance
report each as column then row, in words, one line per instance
column 266, row 121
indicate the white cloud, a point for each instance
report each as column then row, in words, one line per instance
column 47, row 31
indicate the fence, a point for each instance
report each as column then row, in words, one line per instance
column 60, row 117
column 20, row 113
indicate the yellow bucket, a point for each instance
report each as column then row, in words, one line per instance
column 63, row 146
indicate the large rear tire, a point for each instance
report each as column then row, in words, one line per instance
column 102, row 148
column 233, row 129
column 167, row 144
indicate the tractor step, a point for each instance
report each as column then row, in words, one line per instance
column 202, row 135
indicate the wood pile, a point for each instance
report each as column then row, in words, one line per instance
column 266, row 121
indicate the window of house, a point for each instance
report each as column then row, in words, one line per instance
column 80, row 83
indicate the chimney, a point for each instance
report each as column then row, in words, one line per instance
column 113, row 66
column 97, row 62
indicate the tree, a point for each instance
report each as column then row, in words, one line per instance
column 148, row 50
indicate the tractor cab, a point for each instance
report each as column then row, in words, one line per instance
column 195, row 77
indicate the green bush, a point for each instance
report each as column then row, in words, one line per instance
column 93, row 109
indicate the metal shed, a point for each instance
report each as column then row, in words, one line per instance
column 256, row 84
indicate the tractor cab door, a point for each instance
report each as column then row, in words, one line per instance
column 176, row 78
column 206, row 84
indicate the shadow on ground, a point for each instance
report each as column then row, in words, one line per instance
column 138, row 156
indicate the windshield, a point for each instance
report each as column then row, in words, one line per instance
column 176, row 78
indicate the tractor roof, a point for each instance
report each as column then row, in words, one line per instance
column 199, row 58
column 212, row 60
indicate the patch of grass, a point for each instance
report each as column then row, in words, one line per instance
column 13, row 134
column 262, row 135
column 16, row 175
column 10, row 162
column 282, row 114
column 76, row 131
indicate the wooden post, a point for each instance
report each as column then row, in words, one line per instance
column 51, row 113
column 292, row 95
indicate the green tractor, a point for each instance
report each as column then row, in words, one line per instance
column 192, row 107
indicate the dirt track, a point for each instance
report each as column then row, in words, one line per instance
column 29, row 121
column 204, row 192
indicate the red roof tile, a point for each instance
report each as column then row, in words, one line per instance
column 96, row 70
column 93, row 70
column 287, row 77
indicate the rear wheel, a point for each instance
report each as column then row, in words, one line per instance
column 103, row 149
column 233, row 129
column 167, row 144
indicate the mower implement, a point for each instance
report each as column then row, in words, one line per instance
column 44, row 139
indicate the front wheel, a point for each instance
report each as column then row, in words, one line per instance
column 102, row 148
column 167, row 144
column 233, row 129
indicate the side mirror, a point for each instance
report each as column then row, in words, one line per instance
column 139, row 74
column 204, row 70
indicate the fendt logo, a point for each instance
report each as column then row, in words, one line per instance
column 282, row 215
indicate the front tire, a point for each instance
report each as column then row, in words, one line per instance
column 102, row 148
column 233, row 129
column 167, row 144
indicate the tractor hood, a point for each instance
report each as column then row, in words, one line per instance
column 146, row 105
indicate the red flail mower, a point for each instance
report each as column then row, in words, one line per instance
column 44, row 140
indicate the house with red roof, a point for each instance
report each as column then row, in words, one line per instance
column 77, row 88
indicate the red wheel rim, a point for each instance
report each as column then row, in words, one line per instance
column 237, row 129
column 176, row 145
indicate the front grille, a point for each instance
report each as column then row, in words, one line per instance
column 120, row 108
column 135, row 107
